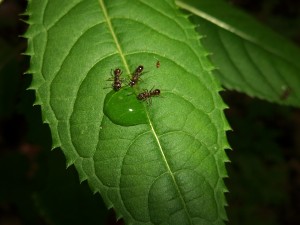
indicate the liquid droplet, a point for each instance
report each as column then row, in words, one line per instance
column 123, row 108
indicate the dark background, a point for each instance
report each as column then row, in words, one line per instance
column 35, row 187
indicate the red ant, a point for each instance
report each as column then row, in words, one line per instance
column 157, row 64
column 286, row 92
column 146, row 95
column 117, row 81
column 136, row 76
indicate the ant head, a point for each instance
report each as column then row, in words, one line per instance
column 156, row 91
column 132, row 83
column 117, row 72
column 139, row 69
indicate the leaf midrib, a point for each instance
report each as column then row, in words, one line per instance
column 102, row 5
column 110, row 27
column 167, row 166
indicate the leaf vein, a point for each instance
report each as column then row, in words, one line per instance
column 168, row 168
column 64, row 13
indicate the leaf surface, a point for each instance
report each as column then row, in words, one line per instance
column 250, row 57
column 167, row 170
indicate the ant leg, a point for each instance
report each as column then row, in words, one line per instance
column 149, row 101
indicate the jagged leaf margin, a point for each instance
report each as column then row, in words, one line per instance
column 186, row 79
column 250, row 57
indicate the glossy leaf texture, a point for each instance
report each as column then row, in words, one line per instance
column 168, row 168
column 250, row 57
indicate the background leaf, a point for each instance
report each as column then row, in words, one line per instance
column 251, row 58
column 167, row 171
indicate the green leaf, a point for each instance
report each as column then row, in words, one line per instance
column 168, row 170
column 250, row 57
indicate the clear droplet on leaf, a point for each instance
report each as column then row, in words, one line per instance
column 123, row 108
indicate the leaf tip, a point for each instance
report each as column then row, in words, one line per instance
column 28, row 72
column 119, row 216
column 26, row 53
column 55, row 143
column 226, row 145
column 36, row 103
column 69, row 162
column 83, row 178
column 25, row 13
column 94, row 189
column 25, row 21
column 33, row 85
column 54, row 147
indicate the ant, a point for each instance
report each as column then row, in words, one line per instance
column 146, row 95
column 157, row 64
column 136, row 76
column 286, row 91
column 117, row 84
